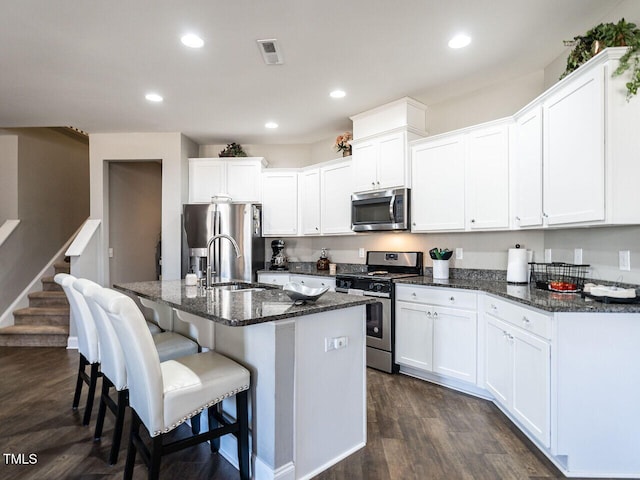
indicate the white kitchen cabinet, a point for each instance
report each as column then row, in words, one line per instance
column 280, row 202
column 414, row 335
column 314, row 281
column 437, row 196
column 461, row 180
column 273, row 278
column 380, row 162
column 574, row 155
column 487, row 177
column 518, row 364
column 310, row 202
column 238, row 178
column 336, row 184
column 436, row 331
column 526, row 162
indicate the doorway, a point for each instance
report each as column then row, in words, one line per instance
column 135, row 216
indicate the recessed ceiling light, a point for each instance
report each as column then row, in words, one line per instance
column 271, row 125
column 153, row 97
column 192, row 41
column 337, row 94
column 459, row 41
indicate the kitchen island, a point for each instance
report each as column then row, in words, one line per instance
column 307, row 363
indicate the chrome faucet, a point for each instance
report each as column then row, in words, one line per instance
column 211, row 259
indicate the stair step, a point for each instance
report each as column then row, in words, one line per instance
column 34, row 336
column 48, row 299
column 49, row 285
column 62, row 267
column 42, row 316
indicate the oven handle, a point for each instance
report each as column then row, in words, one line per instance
column 364, row 293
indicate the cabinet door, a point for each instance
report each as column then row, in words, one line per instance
column 310, row 202
column 498, row 360
column 527, row 166
column 487, row 176
column 244, row 181
column 414, row 336
column 531, row 384
column 573, row 129
column 365, row 165
column 437, row 194
column 391, row 161
column 336, row 183
column 454, row 343
column 206, row 179
column 280, row 203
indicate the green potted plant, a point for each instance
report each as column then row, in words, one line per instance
column 233, row 150
column 621, row 34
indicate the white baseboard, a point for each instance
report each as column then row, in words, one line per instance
column 72, row 343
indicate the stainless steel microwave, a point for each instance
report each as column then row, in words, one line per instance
column 381, row 210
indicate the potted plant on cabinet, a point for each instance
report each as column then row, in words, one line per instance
column 232, row 150
column 621, row 34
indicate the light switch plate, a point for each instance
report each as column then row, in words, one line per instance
column 361, row 252
column 459, row 254
column 624, row 259
column 577, row 256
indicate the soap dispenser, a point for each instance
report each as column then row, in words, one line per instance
column 323, row 261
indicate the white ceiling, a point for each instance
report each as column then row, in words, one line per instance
column 88, row 64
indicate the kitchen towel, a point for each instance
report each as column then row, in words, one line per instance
column 518, row 266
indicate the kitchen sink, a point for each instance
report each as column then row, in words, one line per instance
column 242, row 287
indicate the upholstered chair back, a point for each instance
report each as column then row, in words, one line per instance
column 87, row 333
column 144, row 376
column 111, row 356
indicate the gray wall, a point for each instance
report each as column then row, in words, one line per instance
column 53, row 201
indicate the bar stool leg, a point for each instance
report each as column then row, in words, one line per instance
column 123, row 401
column 93, row 380
column 76, row 396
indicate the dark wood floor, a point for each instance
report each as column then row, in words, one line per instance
column 416, row 430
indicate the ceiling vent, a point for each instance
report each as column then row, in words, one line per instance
column 270, row 51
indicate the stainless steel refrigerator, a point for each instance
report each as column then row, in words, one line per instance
column 241, row 221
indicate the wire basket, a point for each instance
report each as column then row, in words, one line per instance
column 558, row 276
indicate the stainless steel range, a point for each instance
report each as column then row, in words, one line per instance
column 377, row 281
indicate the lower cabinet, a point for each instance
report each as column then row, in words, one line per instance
column 518, row 365
column 275, row 278
column 433, row 335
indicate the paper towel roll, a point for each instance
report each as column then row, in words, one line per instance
column 518, row 266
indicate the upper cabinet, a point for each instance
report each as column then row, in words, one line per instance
column 461, row 180
column 487, row 177
column 325, row 199
column 526, row 165
column 380, row 144
column 237, row 177
column 573, row 142
column 336, row 183
column 381, row 162
column 280, row 202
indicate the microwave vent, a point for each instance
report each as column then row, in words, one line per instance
column 270, row 52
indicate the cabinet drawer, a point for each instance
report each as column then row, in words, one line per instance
column 314, row 282
column 273, row 278
column 445, row 297
column 523, row 317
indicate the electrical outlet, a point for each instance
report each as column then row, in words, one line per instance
column 547, row 255
column 459, row 254
column 577, row 256
column 110, row 252
column 335, row 343
column 361, row 252
column 624, row 259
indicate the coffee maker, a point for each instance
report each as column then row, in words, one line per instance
column 278, row 260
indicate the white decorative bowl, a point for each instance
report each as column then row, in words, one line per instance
column 298, row 292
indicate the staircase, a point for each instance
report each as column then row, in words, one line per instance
column 45, row 322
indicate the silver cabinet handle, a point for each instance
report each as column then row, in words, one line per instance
column 493, row 306
column 526, row 321
column 545, row 215
column 429, row 314
column 452, row 299
column 473, row 220
column 413, row 294
column 435, row 314
column 518, row 219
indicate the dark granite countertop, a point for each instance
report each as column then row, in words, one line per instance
column 527, row 295
column 238, row 308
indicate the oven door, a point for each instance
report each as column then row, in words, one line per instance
column 379, row 324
